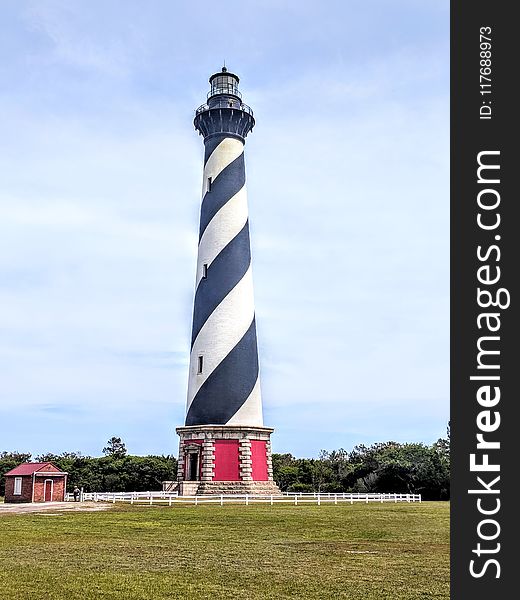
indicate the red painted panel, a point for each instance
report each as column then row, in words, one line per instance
column 226, row 460
column 259, row 459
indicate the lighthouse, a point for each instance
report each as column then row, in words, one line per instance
column 224, row 446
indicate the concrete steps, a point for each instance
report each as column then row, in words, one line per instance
column 237, row 487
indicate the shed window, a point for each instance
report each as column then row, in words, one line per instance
column 17, row 486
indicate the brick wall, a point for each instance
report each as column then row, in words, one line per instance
column 50, row 467
column 58, row 491
column 26, row 495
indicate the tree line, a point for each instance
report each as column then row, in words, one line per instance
column 116, row 471
column 382, row 467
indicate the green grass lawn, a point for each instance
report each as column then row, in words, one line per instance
column 359, row 552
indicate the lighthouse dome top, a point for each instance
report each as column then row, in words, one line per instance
column 224, row 82
column 224, row 112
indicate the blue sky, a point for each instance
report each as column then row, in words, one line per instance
column 348, row 185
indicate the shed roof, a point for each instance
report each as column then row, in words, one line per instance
column 30, row 468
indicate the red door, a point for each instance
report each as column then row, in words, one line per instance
column 226, row 461
column 48, row 492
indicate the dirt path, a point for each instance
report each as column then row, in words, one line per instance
column 49, row 508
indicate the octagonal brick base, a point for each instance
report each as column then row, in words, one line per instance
column 225, row 459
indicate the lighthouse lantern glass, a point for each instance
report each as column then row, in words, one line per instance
column 224, row 84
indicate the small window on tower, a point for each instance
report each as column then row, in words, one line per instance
column 200, row 365
column 204, row 270
column 209, row 184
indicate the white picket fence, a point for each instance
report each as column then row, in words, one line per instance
column 172, row 498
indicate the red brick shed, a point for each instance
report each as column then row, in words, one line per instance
column 35, row 482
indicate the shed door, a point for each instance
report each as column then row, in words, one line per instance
column 48, row 491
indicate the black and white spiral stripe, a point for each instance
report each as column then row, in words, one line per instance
column 227, row 389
